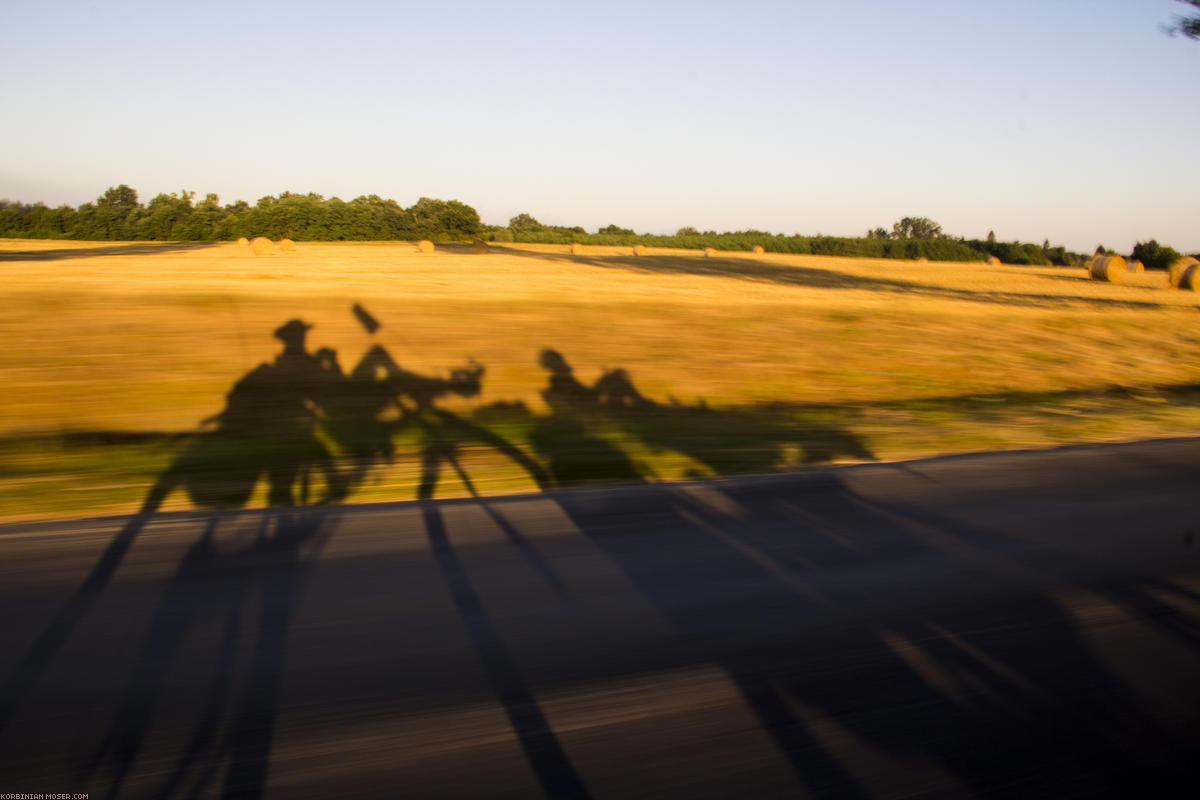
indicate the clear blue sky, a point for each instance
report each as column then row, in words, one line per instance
column 1076, row 120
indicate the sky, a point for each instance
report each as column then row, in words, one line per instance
column 1075, row 121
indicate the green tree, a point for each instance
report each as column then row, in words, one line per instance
column 916, row 228
column 448, row 218
column 687, row 230
column 1154, row 255
column 615, row 230
column 1189, row 26
column 167, row 216
column 121, row 197
column 113, row 216
column 524, row 222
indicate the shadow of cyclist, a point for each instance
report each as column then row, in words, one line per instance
column 267, row 428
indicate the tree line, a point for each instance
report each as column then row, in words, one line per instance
column 909, row 238
column 118, row 215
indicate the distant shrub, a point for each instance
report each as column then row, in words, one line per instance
column 1028, row 253
column 502, row 235
column 1154, row 255
column 524, row 221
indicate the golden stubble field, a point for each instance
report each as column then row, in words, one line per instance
column 112, row 337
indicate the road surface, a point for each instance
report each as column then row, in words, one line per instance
column 1005, row 625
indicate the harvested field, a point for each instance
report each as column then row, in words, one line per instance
column 744, row 363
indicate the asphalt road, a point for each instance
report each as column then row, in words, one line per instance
column 1010, row 625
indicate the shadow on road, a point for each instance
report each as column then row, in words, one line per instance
column 810, row 598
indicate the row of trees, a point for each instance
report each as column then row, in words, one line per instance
column 910, row 237
column 118, row 215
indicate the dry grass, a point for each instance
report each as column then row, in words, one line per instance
column 115, row 342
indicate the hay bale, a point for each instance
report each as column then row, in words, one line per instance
column 922, row 260
column 758, row 250
column 576, row 249
column 425, row 246
column 993, row 261
column 479, row 246
column 1110, row 269
column 243, row 241
column 286, row 245
column 1190, row 279
column 639, row 249
column 709, row 252
column 262, row 246
column 1178, row 268
column 1134, row 267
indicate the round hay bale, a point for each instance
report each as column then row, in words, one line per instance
column 922, row 260
column 286, row 245
column 576, row 248
column 425, row 246
column 1190, row 280
column 758, row 250
column 1107, row 268
column 639, row 249
column 479, row 246
column 1178, row 267
column 1134, row 267
column 709, row 252
column 993, row 261
column 243, row 241
column 262, row 246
